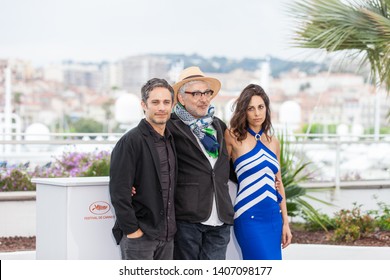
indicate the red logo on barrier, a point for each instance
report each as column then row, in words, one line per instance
column 99, row 207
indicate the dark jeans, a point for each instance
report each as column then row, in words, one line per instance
column 200, row 242
column 145, row 248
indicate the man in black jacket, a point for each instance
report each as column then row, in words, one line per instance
column 204, row 211
column 145, row 157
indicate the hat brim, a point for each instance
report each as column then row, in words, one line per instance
column 215, row 85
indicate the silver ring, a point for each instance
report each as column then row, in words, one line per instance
column 257, row 137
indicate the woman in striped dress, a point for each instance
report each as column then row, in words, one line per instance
column 260, row 223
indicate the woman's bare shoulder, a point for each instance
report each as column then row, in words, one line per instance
column 229, row 133
column 231, row 139
column 274, row 143
column 274, row 140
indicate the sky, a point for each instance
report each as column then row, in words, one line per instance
column 46, row 31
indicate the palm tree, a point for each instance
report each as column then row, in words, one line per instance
column 361, row 27
column 293, row 173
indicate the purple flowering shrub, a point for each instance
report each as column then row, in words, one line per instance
column 72, row 164
column 15, row 180
column 69, row 164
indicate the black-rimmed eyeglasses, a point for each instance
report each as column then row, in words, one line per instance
column 198, row 94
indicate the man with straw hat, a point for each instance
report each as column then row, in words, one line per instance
column 204, row 211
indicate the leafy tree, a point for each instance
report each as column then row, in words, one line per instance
column 318, row 128
column 18, row 97
column 360, row 27
column 86, row 125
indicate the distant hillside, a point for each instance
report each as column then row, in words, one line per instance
column 218, row 64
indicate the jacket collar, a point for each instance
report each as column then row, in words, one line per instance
column 143, row 126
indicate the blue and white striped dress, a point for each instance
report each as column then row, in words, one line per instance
column 258, row 220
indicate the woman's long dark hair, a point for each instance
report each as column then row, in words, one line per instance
column 239, row 123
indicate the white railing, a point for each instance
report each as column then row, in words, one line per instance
column 342, row 161
column 336, row 161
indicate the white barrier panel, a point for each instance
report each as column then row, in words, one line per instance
column 18, row 215
column 74, row 219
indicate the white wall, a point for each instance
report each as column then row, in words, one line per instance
column 17, row 218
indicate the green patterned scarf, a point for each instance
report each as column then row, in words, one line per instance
column 200, row 127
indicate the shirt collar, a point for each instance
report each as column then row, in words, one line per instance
column 157, row 136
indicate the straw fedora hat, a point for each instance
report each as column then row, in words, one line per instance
column 193, row 73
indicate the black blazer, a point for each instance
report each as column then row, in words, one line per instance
column 135, row 162
column 197, row 181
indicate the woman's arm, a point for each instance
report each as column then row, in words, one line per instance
column 286, row 233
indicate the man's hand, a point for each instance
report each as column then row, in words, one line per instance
column 277, row 184
column 136, row 234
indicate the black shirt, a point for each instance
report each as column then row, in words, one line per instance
column 167, row 172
